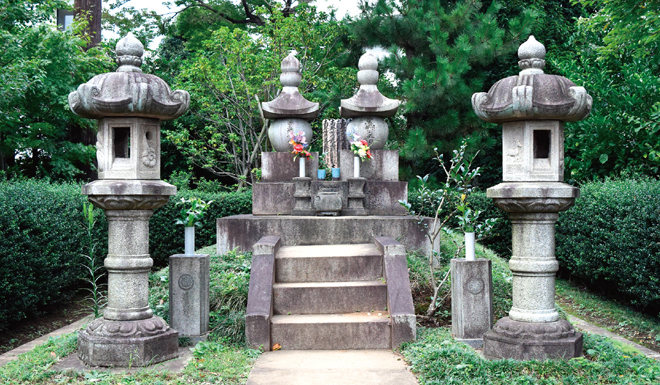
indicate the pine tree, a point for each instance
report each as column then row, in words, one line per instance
column 440, row 55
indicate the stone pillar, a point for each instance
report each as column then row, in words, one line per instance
column 189, row 295
column 129, row 106
column 128, row 334
column 471, row 300
column 532, row 108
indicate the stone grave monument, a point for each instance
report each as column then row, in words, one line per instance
column 308, row 211
column 532, row 108
column 129, row 106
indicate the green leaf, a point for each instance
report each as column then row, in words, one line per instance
column 603, row 158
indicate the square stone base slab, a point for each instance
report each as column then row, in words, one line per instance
column 532, row 341
column 125, row 350
column 72, row 363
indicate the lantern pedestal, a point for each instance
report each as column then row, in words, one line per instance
column 128, row 334
column 533, row 329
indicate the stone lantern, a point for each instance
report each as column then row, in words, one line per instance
column 532, row 108
column 129, row 106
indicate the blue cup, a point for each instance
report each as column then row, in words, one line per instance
column 321, row 174
column 335, row 173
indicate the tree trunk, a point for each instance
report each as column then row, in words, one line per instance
column 90, row 10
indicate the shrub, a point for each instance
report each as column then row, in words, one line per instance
column 166, row 238
column 611, row 239
column 500, row 239
column 42, row 239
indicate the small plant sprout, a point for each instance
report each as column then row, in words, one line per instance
column 97, row 296
column 192, row 211
column 448, row 201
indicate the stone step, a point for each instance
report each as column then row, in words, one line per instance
column 328, row 263
column 331, row 331
column 329, row 297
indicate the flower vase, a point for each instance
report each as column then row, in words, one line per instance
column 356, row 166
column 320, row 174
column 469, row 247
column 190, row 240
column 302, row 167
column 335, row 174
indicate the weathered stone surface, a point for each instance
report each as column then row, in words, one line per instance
column 260, row 293
column 472, row 300
column 383, row 167
column 275, row 198
column 290, row 103
column 303, row 197
column 399, row 295
column 189, row 295
column 368, row 101
column 328, row 263
column 290, row 110
column 331, row 331
column 148, row 188
column 533, row 151
column 127, row 343
column 243, row 231
column 532, row 340
column 382, row 197
column 327, row 203
column 532, row 107
column 532, row 95
column 329, row 297
column 281, row 167
column 128, row 92
column 128, row 148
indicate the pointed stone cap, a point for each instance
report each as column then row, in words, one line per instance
column 290, row 103
column 128, row 92
column 368, row 101
column 532, row 94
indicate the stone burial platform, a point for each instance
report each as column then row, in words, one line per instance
column 243, row 231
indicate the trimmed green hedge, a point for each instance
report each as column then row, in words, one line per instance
column 43, row 237
column 610, row 239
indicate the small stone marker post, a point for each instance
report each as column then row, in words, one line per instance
column 532, row 108
column 189, row 295
column 129, row 106
column 471, row 300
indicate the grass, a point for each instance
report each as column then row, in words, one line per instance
column 610, row 315
column 212, row 362
column 437, row 359
column 223, row 360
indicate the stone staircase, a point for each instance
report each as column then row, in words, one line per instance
column 329, row 296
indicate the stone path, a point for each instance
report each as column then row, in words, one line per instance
column 593, row 329
column 331, row 367
column 326, row 367
column 13, row 354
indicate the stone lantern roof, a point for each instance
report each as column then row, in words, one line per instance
column 128, row 92
column 290, row 103
column 532, row 95
column 368, row 101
